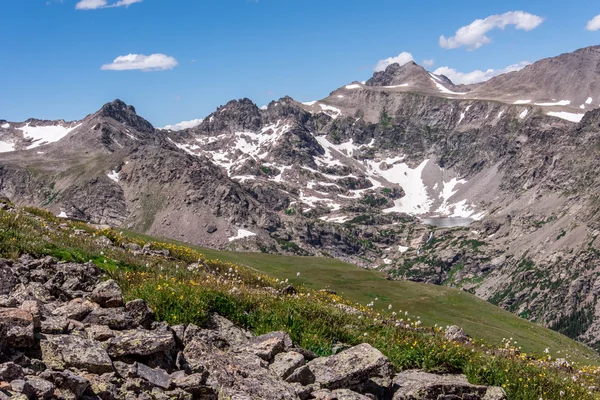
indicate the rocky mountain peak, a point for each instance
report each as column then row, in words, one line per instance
column 125, row 114
column 396, row 74
column 236, row 115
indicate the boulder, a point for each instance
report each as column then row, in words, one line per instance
column 235, row 373
column 42, row 388
column 302, row 375
column 456, row 334
column 67, row 384
column 54, row 325
column 101, row 387
column 361, row 368
column 419, row 385
column 234, row 335
column 76, row 309
column 70, row 351
column 286, row 363
column 269, row 345
column 10, row 371
column 23, row 387
column 16, row 328
column 8, row 280
column 108, row 294
column 140, row 343
column 195, row 384
column 157, row 377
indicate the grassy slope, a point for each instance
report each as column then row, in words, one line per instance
column 434, row 304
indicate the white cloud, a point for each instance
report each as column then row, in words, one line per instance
column 95, row 4
column 593, row 24
column 153, row 62
column 477, row 75
column 428, row 63
column 183, row 125
column 473, row 35
column 401, row 59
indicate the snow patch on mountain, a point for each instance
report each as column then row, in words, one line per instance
column 45, row 134
column 6, row 147
column 573, row 117
column 242, row 234
column 556, row 103
column 6, row 126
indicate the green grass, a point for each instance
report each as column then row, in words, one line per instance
column 434, row 304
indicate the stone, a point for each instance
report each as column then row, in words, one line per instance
column 179, row 332
column 234, row 335
column 302, row 375
column 76, row 309
column 54, row 325
column 456, row 334
column 114, row 318
column 157, row 377
column 23, row 387
column 8, row 280
column 100, row 333
column 139, row 311
column 124, row 370
column 235, row 373
column 345, row 394
column 286, row 363
column 139, row 343
column 419, row 385
column 42, row 388
column 10, row 371
column 32, row 306
column 71, row 351
column 102, row 388
column 353, row 369
column 66, row 382
column 194, row 384
column 16, row 327
column 495, row 393
column 269, row 345
column 108, row 294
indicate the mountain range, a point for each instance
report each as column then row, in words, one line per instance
column 491, row 187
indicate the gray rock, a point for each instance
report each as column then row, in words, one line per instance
column 456, row 334
column 114, row 318
column 302, row 375
column 99, row 333
column 66, row 382
column 102, row 388
column 33, row 307
column 139, row 311
column 54, row 325
column 10, row 371
column 345, row 394
column 76, row 309
column 269, row 345
column 8, row 280
column 157, row 377
column 139, row 343
column 234, row 335
column 108, row 294
column 42, row 388
column 71, row 351
column 286, row 363
column 23, row 387
column 419, row 385
column 236, row 373
column 16, row 327
column 194, row 384
column 353, row 369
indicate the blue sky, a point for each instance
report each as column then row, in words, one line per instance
column 52, row 53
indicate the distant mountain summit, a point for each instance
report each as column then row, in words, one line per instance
column 571, row 80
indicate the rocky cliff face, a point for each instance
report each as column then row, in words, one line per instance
column 354, row 176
